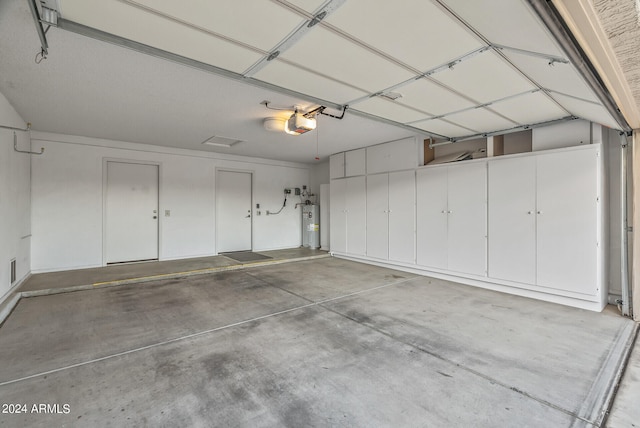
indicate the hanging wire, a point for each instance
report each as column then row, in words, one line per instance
column 266, row 104
column 40, row 56
column 317, row 137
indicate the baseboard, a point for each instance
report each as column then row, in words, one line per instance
column 11, row 298
column 486, row 283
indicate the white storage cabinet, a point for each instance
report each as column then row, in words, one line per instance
column 348, row 205
column 452, row 218
column 544, row 222
column 391, row 214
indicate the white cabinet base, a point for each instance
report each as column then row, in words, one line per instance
column 517, row 289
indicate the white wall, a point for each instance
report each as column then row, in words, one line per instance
column 319, row 174
column 14, row 199
column 67, row 211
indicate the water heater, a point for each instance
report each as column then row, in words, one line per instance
column 311, row 226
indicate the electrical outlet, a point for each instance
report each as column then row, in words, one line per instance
column 167, row 213
column 297, row 191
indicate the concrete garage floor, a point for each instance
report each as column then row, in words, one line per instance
column 323, row 342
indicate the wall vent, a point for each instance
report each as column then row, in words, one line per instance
column 13, row 270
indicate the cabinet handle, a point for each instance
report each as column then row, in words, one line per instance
column 539, row 212
column 444, row 212
column 450, row 212
column 529, row 212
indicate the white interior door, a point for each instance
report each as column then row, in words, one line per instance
column 512, row 219
column 233, row 201
column 131, row 212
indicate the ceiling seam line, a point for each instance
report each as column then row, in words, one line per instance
column 451, row 122
column 298, row 10
column 370, row 48
column 497, row 51
column 103, row 36
column 552, row 20
column 293, row 37
column 193, row 27
column 319, row 74
column 533, row 82
column 573, row 97
column 509, row 130
column 482, row 105
column 263, row 62
column 424, row 75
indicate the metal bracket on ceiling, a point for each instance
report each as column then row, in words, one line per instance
column 41, row 31
column 48, row 15
column 321, row 109
column 552, row 59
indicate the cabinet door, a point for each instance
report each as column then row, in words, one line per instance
column 402, row 154
column 356, row 203
column 402, row 216
column 377, row 158
column 431, row 209
column 355, row 163
column 567, row 220
column 337, row 214
column 467, row 208
column 378, row 216
column 512, row 219
column 336, row 166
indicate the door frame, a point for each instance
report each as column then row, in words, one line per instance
column 105, row 161
column 216, row 211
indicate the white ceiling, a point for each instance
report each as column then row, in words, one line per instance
column 463, row 68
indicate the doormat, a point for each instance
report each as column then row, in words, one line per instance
column 245, row 256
